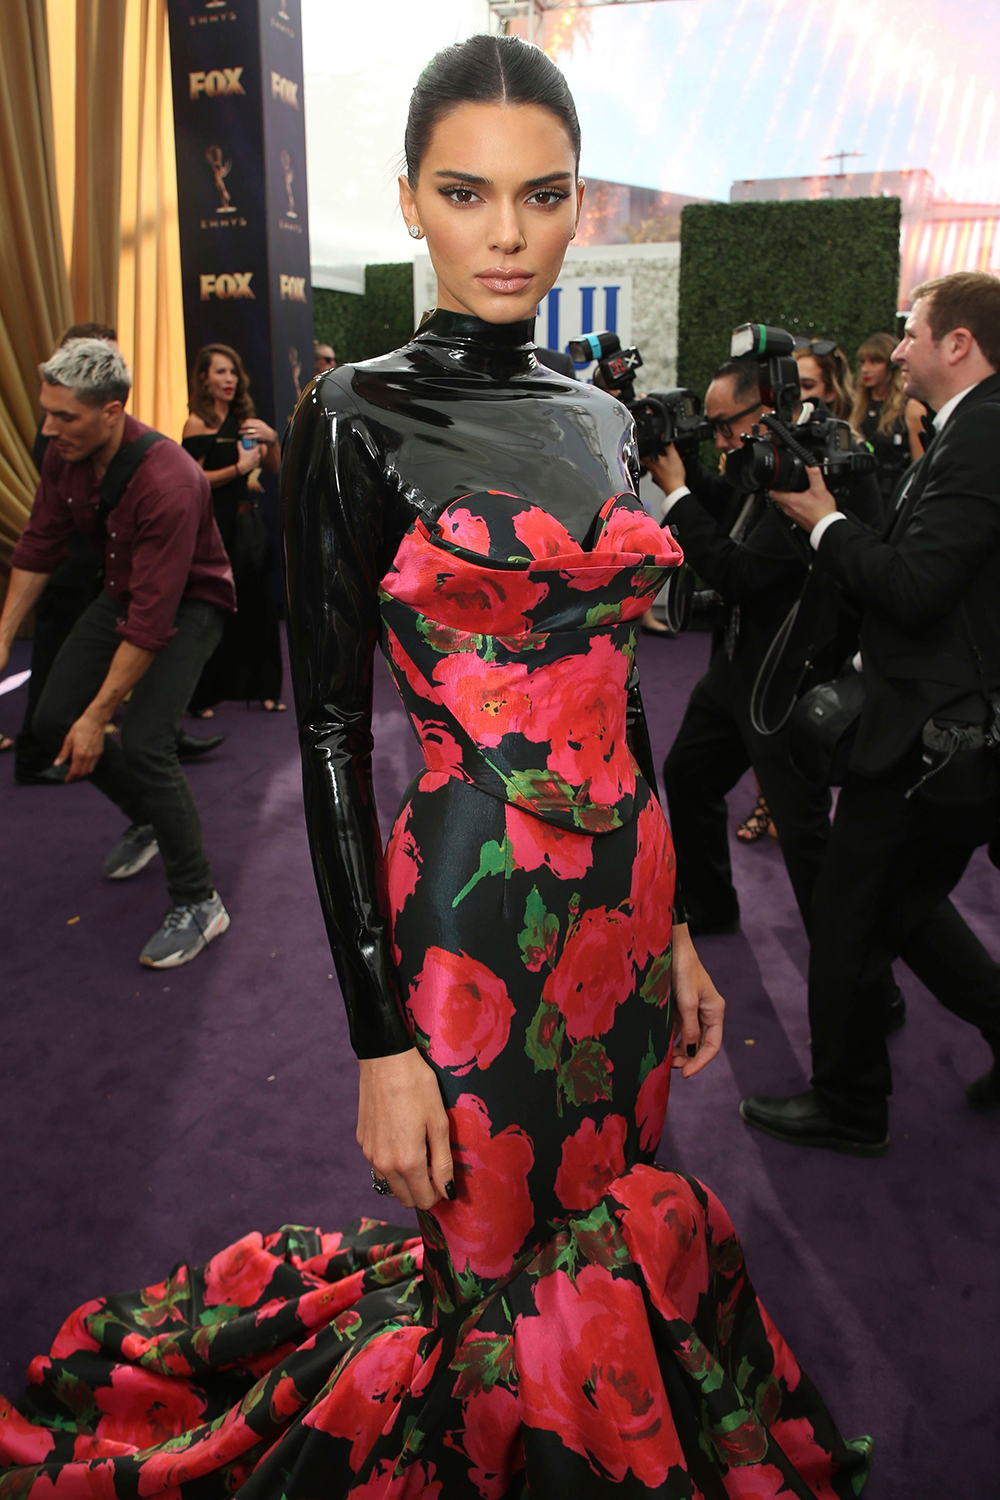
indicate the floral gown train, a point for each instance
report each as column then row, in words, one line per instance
column 579, row 1321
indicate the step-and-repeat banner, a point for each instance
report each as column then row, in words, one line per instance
column 241, row 181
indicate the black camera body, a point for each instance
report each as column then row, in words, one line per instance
column 779, row 452
column 661, row 417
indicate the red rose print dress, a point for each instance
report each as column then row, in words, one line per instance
column 584, row 1323
column 579, row 1321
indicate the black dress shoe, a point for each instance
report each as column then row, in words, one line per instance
column 47, row 776
column 190, row 746
column 985, row 1092
column 804, row 1120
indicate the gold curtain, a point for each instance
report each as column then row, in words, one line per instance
column 88, row 211
column 150, row 312
column 93, row 275
column 35, row 303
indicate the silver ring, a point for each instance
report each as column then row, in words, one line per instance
column 380, row 1184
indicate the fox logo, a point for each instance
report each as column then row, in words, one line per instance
column 293, row 288
column 226, row 286
column 218, row 81
column 285, row 90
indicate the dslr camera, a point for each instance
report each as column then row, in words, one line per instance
column 778, row 452
column 660, row 418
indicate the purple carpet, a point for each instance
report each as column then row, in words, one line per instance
column 147, row 1117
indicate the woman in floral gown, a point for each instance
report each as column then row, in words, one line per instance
column 572, row 1320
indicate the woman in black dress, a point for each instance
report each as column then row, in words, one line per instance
column 573, row 1321
column 229, row 442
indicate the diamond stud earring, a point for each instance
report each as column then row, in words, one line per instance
column 414, row 231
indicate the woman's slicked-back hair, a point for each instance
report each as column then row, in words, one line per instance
column 485, row 70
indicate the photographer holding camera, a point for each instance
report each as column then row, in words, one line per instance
column 772, row 628
column 924, row 784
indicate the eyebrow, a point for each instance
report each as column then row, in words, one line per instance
column 532, row 182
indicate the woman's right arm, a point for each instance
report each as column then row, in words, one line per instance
column 333, row 506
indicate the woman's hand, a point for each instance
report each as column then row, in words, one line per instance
column 247, row 459
column 403, row 1128
column 258, row 430
column 699, row 1008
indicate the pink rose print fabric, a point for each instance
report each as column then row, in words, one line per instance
column 579, row 1321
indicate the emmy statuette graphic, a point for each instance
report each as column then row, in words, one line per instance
column 220, row 169
column 296, row 364
column 286, row 164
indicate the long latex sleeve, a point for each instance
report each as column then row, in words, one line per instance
column 333, row 510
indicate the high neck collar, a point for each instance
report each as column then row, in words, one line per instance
column 468, row 332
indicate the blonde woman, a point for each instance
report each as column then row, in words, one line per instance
column 883, row 414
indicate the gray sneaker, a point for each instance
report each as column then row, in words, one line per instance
column 186, row 930
column 132, row 854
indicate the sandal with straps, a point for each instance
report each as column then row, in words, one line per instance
column 758, row 825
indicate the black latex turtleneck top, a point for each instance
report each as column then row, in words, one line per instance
column 464, row 407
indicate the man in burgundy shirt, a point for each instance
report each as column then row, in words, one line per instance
column 167, row 585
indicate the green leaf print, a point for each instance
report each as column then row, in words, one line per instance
column 446, row 640
column 78, row 1398
column 699, row 1362
column 540, row 935
column 493, row 858
column 656, row 985
column 600, row 1240
column 557, row 1254
column 738, row 1438
column 585, row 1076
column 348, row 1323
column 538, row 789
column 221, row 1314
column 545, row 1038
column 649, row 1062
column 469, row 1287
column 519, row 643
column 483, row 1361
column 16, row 1484
column 603, row 612
column 156, row 1310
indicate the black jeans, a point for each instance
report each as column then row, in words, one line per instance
column 56, row 612
column 715, row 745
column 882, row 894
column 141, row 774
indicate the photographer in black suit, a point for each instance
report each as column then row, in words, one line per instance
column 745, row 550
column 923, row 789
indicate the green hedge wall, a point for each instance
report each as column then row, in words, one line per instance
column 362, row 327
column 828, row 268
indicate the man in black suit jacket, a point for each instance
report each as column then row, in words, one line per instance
column 930, row 650
column 758, row 564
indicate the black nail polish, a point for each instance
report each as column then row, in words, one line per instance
column 449, row 1190
column 691, row 1048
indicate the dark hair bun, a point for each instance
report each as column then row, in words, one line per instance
column 485, row 70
